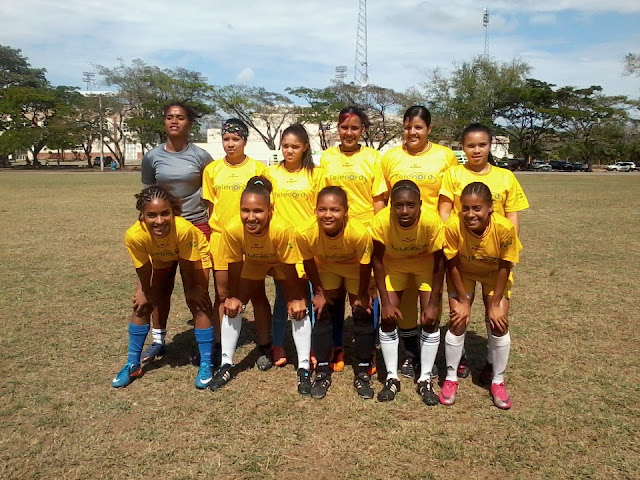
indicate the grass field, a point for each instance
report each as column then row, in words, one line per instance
column 66, row 287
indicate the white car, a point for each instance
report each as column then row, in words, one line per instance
column 621, row 167
column 543, row 166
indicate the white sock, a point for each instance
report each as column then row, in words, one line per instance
column 301, row 330
column 453, row 346
column 389, row 345
column 429, row 343
column 159, row 335
column 502, row 346
column 490, row 345
column 229, row 333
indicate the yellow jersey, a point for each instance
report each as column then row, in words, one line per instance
column 223, row 184
column 294, row 194
column 506, row 191
column 481, row 254
column 360, row 175
column 407, row 248
column 183, row 241
column 351, row 247
column 425, row 170
column 275, row 246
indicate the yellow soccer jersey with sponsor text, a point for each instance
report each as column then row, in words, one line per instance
column 505, row 189
column 351, row 247
column 294, row 194
column 223, row 184
column 406, row 249
column 184, row 241
column 481, row 255
column 360, row 175
column 275, row 246
column 425, row 170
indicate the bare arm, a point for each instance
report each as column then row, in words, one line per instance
column 378, row 203
column 514, row 217
column 445, row 206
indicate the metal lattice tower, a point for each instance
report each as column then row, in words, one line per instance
column 485, row 24
column 360, row 71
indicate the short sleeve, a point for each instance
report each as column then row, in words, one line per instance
column 376, row 228
column 446, row 188
column 189, row 245
column 260, row 168
column 509, row 244
column 137, row 251
column 452, row 160
column 516, row 199
column 451, row 237
column 148, row 171
column 303, row 245
column 285, row 241
column 230, row 248
column 438, row 237
column 379, row 184
column 364, row 248
column 207, row 184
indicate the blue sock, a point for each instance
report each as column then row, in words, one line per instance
column 137, row 336
column 204, row 337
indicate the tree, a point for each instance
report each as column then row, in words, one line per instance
column 15, row 70
column 321, row 111
column 632, row 64
column 263, row 111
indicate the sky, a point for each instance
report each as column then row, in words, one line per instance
column 289, row 43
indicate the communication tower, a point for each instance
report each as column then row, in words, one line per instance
column 360, row 71
column 485, row 24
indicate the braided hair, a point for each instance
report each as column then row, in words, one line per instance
column 479, row 189
column 405, row 185
column 154, row 192
column 259, row 185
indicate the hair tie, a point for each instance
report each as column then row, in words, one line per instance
column 259, row 182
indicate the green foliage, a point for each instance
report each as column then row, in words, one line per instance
column 15, row 70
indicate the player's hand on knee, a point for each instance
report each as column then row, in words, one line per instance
column 391, row 315
column 319, row 301
column 142, row 304
column 297, row 309
column 198, row 299
column 363, row 302
column 232, row 307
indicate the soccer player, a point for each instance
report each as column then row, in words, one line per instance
column 355, row 168
column 508, row 197
column 420, row 160
column 407, row 249
column 254, row 247
column 222, row 184
column 158, row 242
column 296, row 182
column 178, row 164
column 336, row 252
column 480, row 246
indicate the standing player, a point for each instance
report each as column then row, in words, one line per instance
column 423, row 162
column 356, row 169
column 158, row 242
column 296, row 182
column 222, row 184
column 178, row 164
column 254, row 247
column 508, row 197
column 407, row 249
column 480, row 246
column 337, row 253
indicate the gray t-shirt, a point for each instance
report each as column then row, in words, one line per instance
column 182, row 171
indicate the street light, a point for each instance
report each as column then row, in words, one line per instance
column 88, row 77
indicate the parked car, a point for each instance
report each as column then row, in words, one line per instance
column 107, row 161
column 582, row 167
column 621, row 167
column 518, row 164
column 502, row 163
column 541, row 166
column 562, row 166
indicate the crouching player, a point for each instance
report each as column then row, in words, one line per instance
column 254, row 247
column 158, row 242
column 480, row 246
column 407, row 247
column 336, row 252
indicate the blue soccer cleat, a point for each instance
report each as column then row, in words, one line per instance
column 126, row 375
column 154, row 350
column 204, row 376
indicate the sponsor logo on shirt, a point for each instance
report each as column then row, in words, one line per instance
column 234, row 187
column 348, row 177
column 291, row 194
column 419, row 177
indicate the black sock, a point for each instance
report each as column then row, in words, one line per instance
column 322, row 341
column 410, row 338
column 363, row 336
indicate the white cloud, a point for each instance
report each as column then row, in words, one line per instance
column 543, row 19
column 246, row 75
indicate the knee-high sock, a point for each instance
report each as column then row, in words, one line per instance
column 490, row 346
column 229, row 333
column 429, row 343
column 364, row 337
column 137, row 336
column 322, row 342
column 279, row 317
column 302, row 338
column 502, row 346
column 453, row 346
column 410, row 338
column 389, row 345
column 337, row 317
column 204, row 338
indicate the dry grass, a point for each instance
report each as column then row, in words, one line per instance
column 66, row 283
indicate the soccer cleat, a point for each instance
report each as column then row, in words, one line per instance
column 362, row 384
column 448, row 392
column 501, row 398
column 425, row 390
column 320, row 385
column 337, row 362
column 463, row 367
column 216, row 355
column 486, row 375
column 279, row 356
column 407, row 369
column 204, row 376
column 388, row 393
column 126, row 375
column 264, row 361
column 304, row 381
column 221, row 377
column 154, row 350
